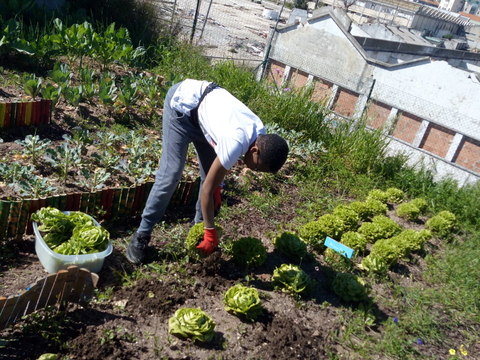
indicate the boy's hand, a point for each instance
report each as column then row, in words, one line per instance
column 210, row 241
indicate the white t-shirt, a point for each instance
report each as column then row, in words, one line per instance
column 228, row 125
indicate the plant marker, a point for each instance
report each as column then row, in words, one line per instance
column 338, row 247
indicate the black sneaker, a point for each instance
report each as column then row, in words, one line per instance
column 137, row 246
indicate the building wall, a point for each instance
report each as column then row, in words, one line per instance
column 406, row 127
column 345, row 102
column 377, row 114
column 469, row 155
column 437, row 140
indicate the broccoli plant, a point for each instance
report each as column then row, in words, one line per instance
column 33, row 147
column 243, row 300
column 291, row 279
column 249, row 252
column 381, row 227
column 349, row 287
column 192, row 323
column 408, row 211
column 64, row 159
column 315, row 232
column 291, row 245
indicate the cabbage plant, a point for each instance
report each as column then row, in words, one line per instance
column 192, row 323
column 291, row 245
column 292, row 279
column 243, row 300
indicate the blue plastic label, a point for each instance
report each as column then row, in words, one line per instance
column 338, row 247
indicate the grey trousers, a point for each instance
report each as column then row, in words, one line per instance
column 178, row 133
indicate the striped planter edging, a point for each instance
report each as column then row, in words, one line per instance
column 25, row 113
column 103, row 205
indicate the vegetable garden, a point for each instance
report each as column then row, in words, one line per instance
column 272, row 290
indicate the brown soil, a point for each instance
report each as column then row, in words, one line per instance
column 132, row 321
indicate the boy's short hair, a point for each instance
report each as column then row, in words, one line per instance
column 273, row 151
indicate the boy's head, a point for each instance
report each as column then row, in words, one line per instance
column 267, row 154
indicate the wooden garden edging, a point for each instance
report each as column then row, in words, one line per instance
column 25, row 113
column 74, row 285
column 103, row 205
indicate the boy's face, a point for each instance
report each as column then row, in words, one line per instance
column 252, row 160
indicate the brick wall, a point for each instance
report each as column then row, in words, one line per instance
column 437, row 140
column 468, row 155
column 322, row 90
column 298, row 78
column 377, row 114
column 345, row 102
column 406, row 127
column 276, row 72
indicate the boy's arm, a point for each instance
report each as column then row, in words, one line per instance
column 212, row 181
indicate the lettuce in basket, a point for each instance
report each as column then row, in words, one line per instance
column 85, row 240
column 52, row 220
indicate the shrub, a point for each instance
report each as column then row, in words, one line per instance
column 441, row 224
column 394, row 195
column 387, row 251
column 315, row 232
column 421, row 204
column 292, row 279
column 291, row 245
column 195, row 237
column 349, row 287
column 243, row 300
column 349, row 217
column 355, row 241
column 381, row 227
column 408, row 211
column 249, row 251
column 377, row 194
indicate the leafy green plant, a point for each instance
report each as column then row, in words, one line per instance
column 394, row 195
column 442, row 224
column 337, row 261
column 34, row 187
column 381, row 227
column 107, row 89
column 94, row 180
column 355, row 241
column 74, row 95
column 315, row 232
column 410, row 240
column 387, row 250
column 195, row 237
column 408, row 211
column 61, row 75
column 249, row 252
column 34, row 147
column 15, row 172
column 374, row 264
column 421, row 204
column 377, row 207
column 32, row 85
column 128, row 93
column 292, row 279
column 377, row 194
column 349, row 287
column 349, row 217
column 51, row 92
column 64, row 159
column 290, row 244
column 243, row 300
column 192, row 323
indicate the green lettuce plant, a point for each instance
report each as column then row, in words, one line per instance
column 315, row 232
column 290, row 245
column 442, row 224
column 381, row 227
column 411, row 240
column 387, row 251
column 249, row 252
column 394, row 195
column 355, row 241
column 369, row 208
column 349, row 217
column 243, row 300
column 376, row 207
column 292, row 279
column 408, row 211
column 421, row 204
column 195, row 237
column 377, row 194
column 349, row 287
column 337, row 261
column 192, row 323
column 373, row 264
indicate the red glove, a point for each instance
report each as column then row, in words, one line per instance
column 217, row 199
column 210, row 241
